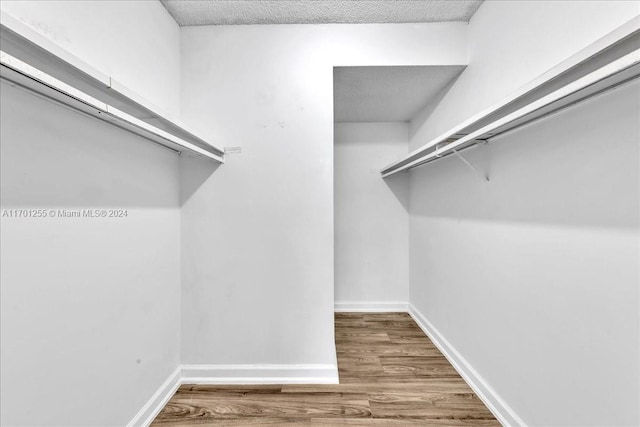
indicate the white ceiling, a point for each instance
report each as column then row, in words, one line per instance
column 242, row 12
column 387, row 94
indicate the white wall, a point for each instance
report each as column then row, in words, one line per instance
column 257, row 235
column 533, row 277
column 136, row 42
column 90, row 306
column 371, row 214
column 510, row 44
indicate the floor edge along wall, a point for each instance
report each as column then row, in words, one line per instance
column 500, row 409
column 323, row 374
column 232, row 374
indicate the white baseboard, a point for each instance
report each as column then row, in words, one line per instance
column 232, row 374
column 503, row 412
column 259, row 374
column 371, row 307
column 154, row 405
column 321, row 374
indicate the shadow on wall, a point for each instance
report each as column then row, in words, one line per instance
column 399, row 186
column 417, row 123
column 577, row 168
column 361, row 150
column 64, row 159
column 194, row 171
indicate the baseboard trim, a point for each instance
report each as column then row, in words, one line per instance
column 232, row 374
column 371, row 307
column 154, row 405
column 321, row 374
column 259, row 374
column 500, row 409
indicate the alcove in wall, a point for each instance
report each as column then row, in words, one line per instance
column 373, row 108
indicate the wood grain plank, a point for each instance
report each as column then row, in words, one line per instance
column 425, row 385
column 391, row 374
column 380, row 317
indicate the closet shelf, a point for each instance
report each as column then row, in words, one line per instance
column 33, row 62
column 609, row 62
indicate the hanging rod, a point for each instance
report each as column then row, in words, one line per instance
column 22, row 75
column 625, row 69
column 32, row 61
column 607, row 63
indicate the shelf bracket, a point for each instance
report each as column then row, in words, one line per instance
column 470, row 165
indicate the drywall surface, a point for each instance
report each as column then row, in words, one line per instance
column 135, row 42
column 257, row 234
column 371, row 214
column 510, row 44
column 533, row 277
column 90, row 312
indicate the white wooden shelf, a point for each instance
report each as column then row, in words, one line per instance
column 609, row 62
column 33, row 62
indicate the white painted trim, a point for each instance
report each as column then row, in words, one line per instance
column 565, row 68
column 610, row 75
column 259, row 374
column 322, row 374
column 232, row 374
column 154, row 405
column 28, row 46
column 371, row 306
column 488, row 395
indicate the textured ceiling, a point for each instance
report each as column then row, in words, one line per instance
column 387, row 94
column 242, row 12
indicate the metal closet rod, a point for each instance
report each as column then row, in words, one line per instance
column 41, row 84
column 75, row 109
column 618, row 66
column 476, row 142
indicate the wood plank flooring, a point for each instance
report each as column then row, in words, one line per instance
column 391, row 374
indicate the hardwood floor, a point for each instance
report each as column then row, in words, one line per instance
column 390, row 375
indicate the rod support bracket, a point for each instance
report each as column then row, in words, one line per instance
column 485, row 177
